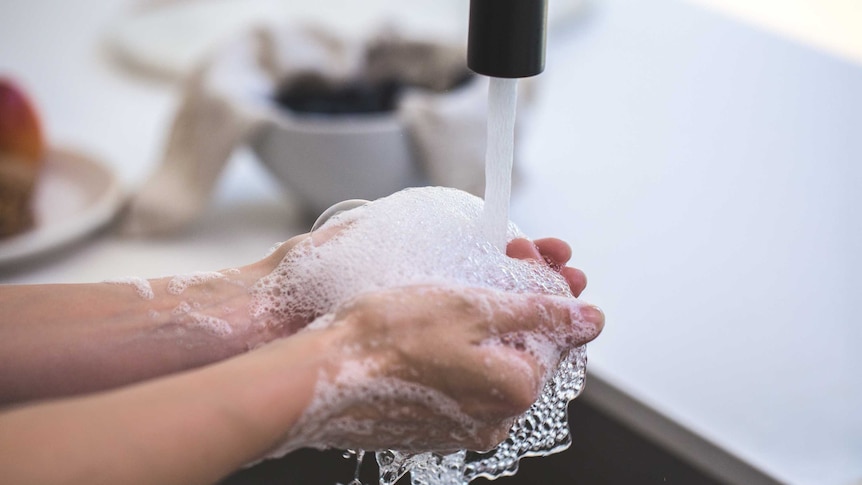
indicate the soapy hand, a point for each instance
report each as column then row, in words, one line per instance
column 435, row 368
column 444, row 368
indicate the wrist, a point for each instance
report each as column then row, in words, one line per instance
column 267, row 317
column 279, row 384
column 217, row 310
column 208, row 310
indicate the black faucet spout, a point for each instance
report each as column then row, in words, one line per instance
column 507, row 38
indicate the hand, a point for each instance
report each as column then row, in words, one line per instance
column 436, row 368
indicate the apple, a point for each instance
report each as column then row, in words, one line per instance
column 20, row 129
column 21, row 151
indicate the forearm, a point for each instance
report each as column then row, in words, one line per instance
column 58, row 340
column 194, row 427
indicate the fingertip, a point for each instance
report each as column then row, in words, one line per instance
column 593, row 315
column 521, row 248
column 576, row 279
column 557, row 250
column 582, row 322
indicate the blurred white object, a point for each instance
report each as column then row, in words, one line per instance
column 170, row 39
column 75, row 196
column 325, row 160
column 434, row 134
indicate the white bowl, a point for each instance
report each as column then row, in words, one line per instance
column 325, row 159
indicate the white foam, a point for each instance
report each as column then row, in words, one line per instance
column 182, row 308
column 179, row 284
column 186, row 314
column 141, row 286
column 420, row 235
column 214, row 325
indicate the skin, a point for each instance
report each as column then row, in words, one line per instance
column 104, row 393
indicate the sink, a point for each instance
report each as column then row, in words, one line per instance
column 604, row 451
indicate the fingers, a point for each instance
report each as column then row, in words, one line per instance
column 553, row 251
column 563, row 319
column 584, row 321
column 528, row 334
column 576, row 279
column 521, row 248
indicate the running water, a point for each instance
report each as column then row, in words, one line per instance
column 499, row 154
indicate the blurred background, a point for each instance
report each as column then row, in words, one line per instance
column 703, row 158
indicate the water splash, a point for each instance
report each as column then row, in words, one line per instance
column 541, row 431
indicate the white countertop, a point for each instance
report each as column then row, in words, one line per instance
column 709, row 178
column 706, row 173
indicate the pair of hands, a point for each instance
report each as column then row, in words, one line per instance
column 442, row 368
column 183, row 404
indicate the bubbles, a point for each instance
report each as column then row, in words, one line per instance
column 211, row 324
column 141, row 286
column 188, row 314
column 179, row 284
column 421, row 235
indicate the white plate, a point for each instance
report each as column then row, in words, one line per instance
column 171, row 39
column 75, row 196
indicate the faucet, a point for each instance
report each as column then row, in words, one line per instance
column 506, row 38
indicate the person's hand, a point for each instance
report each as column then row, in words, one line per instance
column 430, row 367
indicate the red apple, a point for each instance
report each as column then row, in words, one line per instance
column 21, row 151
column 20, row 130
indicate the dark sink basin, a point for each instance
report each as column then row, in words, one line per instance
column 603, row 451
